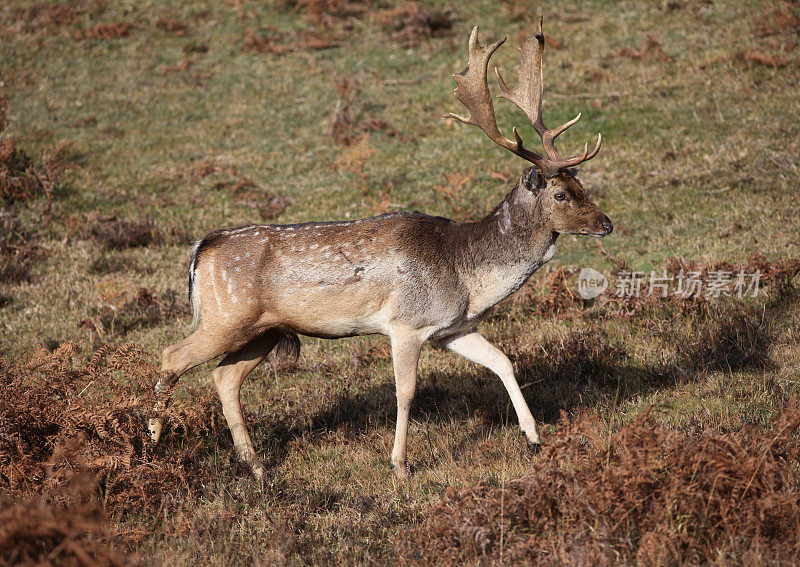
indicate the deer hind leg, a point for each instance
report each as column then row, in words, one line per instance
column 474, row 347
column 228, row 378
column 198, row 348
column 405, row 357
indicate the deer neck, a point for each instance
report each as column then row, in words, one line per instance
column 501, row 251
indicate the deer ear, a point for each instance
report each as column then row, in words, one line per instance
column 530, row 180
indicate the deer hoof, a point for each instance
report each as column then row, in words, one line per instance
column 155, row 426
column 258, row 472
column 534, row 447
column 402, row 472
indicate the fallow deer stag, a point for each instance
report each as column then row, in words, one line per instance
column 406, row 275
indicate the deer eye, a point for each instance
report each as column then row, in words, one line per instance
column 560, row 197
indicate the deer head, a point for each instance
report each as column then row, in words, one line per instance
column 556, row 195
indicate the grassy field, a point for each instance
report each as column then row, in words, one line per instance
column 141, row 126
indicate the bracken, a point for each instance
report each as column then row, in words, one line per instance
column 651, row 495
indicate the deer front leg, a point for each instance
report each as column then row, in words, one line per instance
column 175, row 360
column 405, row 356
column 477, row 349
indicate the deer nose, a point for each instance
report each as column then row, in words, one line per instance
column 606, row 225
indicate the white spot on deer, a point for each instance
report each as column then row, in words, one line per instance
column 264, row 240
column 549, row 254
column 256, row 233
column 224, row 275
column 505, row 218
column 237, row 258
column 301, row 248
column 249, row 285
column 237, row 269
column 313, row 247
column 215, row 290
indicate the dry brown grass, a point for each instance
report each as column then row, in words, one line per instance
column 646, row 495
column 350, row 122
column 145, row 310
column 20, row 250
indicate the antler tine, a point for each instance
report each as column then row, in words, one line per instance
column 472, row 90
column 468, row 87
column 528, row 97
column 528, row 94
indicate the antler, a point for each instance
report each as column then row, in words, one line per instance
column 472, row 91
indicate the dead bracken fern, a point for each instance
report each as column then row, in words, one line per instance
column 22, row 180
column 410, row 24
column 112, row 30
column 20, row 249
column 115, row 234
column 281, row 43
column 649, row 496
column 147, row 309
column 33, row 532
column 63, row 415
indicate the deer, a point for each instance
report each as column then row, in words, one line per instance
column 406, row 275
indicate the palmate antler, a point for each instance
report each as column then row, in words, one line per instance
column 473, row 91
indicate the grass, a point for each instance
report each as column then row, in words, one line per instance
column 700, row 160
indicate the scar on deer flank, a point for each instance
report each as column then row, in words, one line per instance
column 406, row 275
